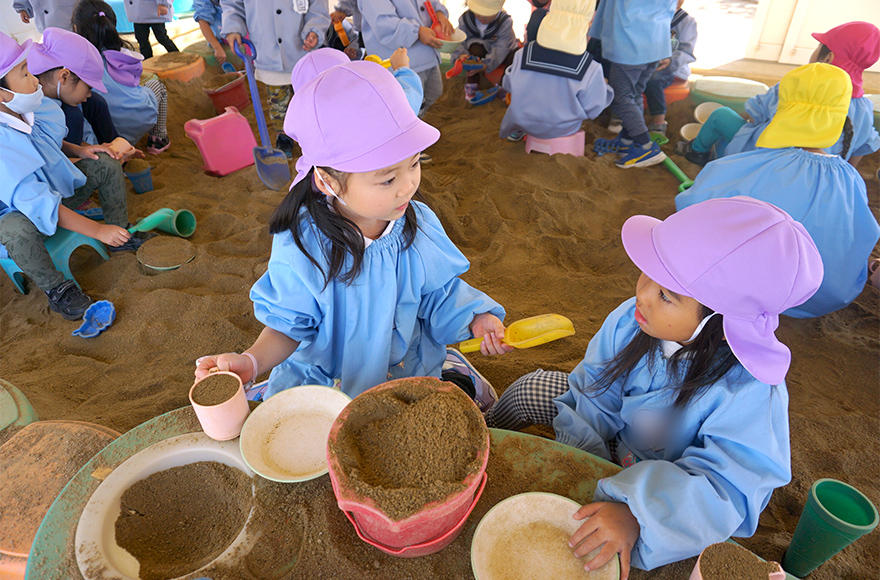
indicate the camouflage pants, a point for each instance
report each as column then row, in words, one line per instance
column 278, row 98
column 25, row 243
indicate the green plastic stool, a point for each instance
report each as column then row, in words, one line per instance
column 60, row 247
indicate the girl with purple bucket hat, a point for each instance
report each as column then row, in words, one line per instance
column 683, row 385
column 363, row 283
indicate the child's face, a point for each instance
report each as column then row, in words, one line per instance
column 19, row 80
column 73, row 90
column 663, row 314
column 486, row 19
column 376, row 197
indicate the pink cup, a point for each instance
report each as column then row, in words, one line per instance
column 223, row 421
column 698, row 575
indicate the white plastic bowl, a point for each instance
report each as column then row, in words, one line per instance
column 690, row 131
column 458, row 36
column 285, row 438
column 703, row 110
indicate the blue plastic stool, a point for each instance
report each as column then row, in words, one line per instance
column 60, row 247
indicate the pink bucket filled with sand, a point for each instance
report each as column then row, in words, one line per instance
column 407, row 462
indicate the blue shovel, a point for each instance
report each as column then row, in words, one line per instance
column 271, row 163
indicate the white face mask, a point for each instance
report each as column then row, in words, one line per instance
column 23, row 103
column 329, row 189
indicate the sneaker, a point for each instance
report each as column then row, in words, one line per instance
column 616, row 145
column 485, row 395
column 470, row 91
column 516, row 136
column 425, row 158
column 638, row 156
column 658, row 128
column 156, row 146
column 615, row 125
column 68, row 300
column 285, row 144
column 136, row 240
column 686, row 148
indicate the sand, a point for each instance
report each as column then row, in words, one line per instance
column 542, row 234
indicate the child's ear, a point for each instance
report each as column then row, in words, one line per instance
column 828, row 58
column 326, row 183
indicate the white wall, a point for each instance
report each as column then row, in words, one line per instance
column 11, row 24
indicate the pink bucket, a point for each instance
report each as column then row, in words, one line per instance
column 425, row 532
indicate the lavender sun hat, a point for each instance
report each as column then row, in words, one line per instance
column 744, row 258
column 314, row 63
column 321, row 118
column 62, row 48
column 11, row 53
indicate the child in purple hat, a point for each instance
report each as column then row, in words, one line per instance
column 363, row 283
column 683, row 385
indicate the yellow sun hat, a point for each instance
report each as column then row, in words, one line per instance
column 565, row 26
column 813, row 102
column 485, row 7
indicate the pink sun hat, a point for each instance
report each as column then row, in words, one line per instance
column 62, row 48
column 11, row 54
column 358, row 98
column 745, row 259
column 314, row 63
column 856, row 47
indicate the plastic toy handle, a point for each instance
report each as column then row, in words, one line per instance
column 374, row 58
column 435, row 26
column 255, row 92
column 340, row 31
column 472, row 345
column 676, row 171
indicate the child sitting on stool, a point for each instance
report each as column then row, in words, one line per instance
column 490, row 38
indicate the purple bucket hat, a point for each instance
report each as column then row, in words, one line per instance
column 744, row 258
column 314, row 63
column 11, row 53
column 64, row 48
column 322, row 118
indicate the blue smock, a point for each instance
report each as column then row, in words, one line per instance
column 394, row 321
column 276, row 29
column 824, row 193
column 684, row 39
column 634, row 31
column 412, row 87
column 47, row 13
column 391, row 24
column 209, row 12
column 147, row 11
column 547, row 106
column 761, row 108
column 703, row 473
column 498, row 38
column 134, row 109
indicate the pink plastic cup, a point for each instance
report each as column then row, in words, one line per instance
column 223, row 421
column 698, row 575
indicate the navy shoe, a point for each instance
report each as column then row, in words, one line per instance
column 68, row 300
column 638, row 156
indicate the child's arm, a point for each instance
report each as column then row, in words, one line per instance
column 761, row 108
column 395, row 31
column 501, row 46
column 87, row 151
column 234, row 21
column 205, row 14
column 594, row 95
column 344, row 8
column 25, row 10
column 270, row 349
column 219, row 53
column 315, row 24
column 162, row 7
column 687, row 41
column 110, row 235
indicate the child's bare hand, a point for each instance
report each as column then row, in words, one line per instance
column 311, row 41
column 664, row 64
column 491, row 329
column 399, row 58
column 162, row 10
column 219, row 53
column 611, row 524
column 445, row 26
column 113, row 235
column 351, row 52
column 337, row 16
column 429, row 37
column 234, row 37
column 232, row 362
column 24, row 17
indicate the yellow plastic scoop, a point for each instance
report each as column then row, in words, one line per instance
column 528, row 332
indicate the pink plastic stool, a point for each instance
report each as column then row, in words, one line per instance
column 572, row 144
column 226, row 141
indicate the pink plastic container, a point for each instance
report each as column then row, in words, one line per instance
column 223, row 421
column 226, row 141
column 424, row 532
column 571, row 144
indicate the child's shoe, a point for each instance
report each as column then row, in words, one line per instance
column 615, row 125
column 136, row 240
column 470, row 90
column 68, row 300
column 456, row 363
column 285, row 144
column 516, row 136
column 686, row 148
column 658, row 128
column 639, row 156
column 616, row 145
column 156, row 146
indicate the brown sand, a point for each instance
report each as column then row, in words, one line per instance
column 136, row 165
column 542, row 234
column 215, row 389
column 170, row 60
column 724, row 561
column 221, row 81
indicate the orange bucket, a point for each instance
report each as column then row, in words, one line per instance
column 232, row 94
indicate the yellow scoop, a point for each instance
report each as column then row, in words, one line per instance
column 373, row 58
column 528, row 332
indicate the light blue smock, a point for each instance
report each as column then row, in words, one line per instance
column 394, row 321
column 147, row 11
column 412, row 87
column 634, row 31
column 498, row 45
column 47, row 13
column 684, row 39
column 824, row 193
column 276, row 29
column 210, row 13
column 761, row 108
column 392, row 24
column 34, row 174
column 134, row 109
column 547, row 106
column 704, row 473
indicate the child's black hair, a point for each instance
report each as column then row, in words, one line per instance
column 707, row 358
column 344, row 237
column 3, row 84
column 847, row 137
column 823, row 52
column 98, row 29
column 45, row 75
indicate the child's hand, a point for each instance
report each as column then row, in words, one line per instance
column 219, row 53
column 351, row 52
column 399, row 58
column 611, row 524
column 234, row 37
column 113, row 235
column 311, row 41
column 24, row 17
column 91, row 151
column 445, row 26
column 429, row 37
column 232, row 362
column 491, row 329
column 163, row 10
column 337, row 16
column 664, row 64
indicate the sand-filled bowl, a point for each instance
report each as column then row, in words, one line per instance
column 449, row 46
column 407, row 459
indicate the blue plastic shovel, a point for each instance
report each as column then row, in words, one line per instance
column 271, row 163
